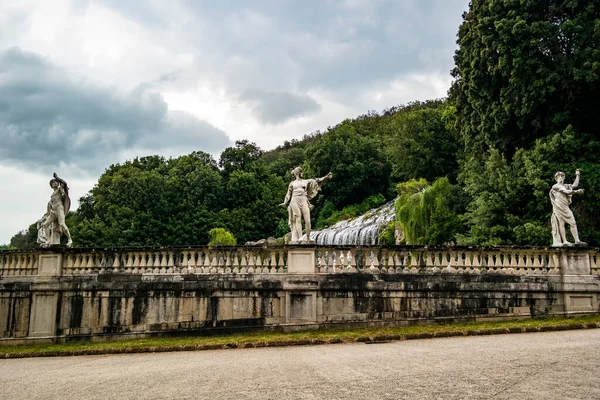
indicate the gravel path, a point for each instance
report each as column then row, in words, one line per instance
column 551, row 365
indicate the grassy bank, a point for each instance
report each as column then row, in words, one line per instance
column 264, row 339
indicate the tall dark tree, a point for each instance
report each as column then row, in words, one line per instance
column 239, row 157
column 421, row 145
column 357, row 162
column 151, row 201
column 527, row 82
column 525, row 69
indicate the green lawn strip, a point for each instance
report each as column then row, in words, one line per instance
column 263, row 339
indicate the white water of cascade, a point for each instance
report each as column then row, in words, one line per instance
column 361, row 231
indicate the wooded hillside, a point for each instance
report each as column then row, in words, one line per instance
column 524, row 104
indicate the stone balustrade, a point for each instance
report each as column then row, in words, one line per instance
column 201, row 260
column 327, row 260
column 418, row 259
column 62, row 294
column 595, row 262
column 18, row 263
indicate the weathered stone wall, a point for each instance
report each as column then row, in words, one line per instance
column 99, row 306
column 53, row 306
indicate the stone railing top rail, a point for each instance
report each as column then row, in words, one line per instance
column 65, row 249
column 301, row 259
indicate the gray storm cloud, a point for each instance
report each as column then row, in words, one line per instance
column 278, row 107
column 48, row 117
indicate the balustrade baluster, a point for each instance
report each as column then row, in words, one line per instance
column 537, row 265
column 595, row 263
column 139, row 263
column 318, row 261
column 128, row 260
column 34, row 264
column 100, row 263
column 183, row 262
column 476, row 262
column 87, row 264
column 383, row 260
column 19, row 264
column 391, row 264
column 171, row 254
column 281, row 262
column 251, row 263
column 220, row 262
column 23, row 265
column 205, row 258
column 235, row 262
column 199, row 259
column 162, row 268
column 156, row 259
column 244, row 261
column 194, row 258
column 374, row 267
column 11, row 264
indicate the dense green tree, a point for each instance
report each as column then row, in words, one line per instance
column 151, row 201
column 525, row 69
column 221, row 237
column 253, row 196
column 24, row 240
column 428, row 213
column 421, row 145
column 239, row 157
column 525, row 95
column 286, row 161
column 357, row 162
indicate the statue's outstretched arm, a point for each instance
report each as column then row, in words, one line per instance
column 325, row 178
column 63, row 183
column 576, row 181
column 563, row 189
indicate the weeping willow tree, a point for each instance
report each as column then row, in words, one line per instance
column 221, row 237
column 425, row 211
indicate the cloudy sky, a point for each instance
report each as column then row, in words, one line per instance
column 84, row 84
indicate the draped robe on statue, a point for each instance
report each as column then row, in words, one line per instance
column 560, row 197
column 301, row 191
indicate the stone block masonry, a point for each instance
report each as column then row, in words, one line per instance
column 98, row 294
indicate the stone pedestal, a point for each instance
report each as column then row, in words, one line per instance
column 301, row 261
column 50, row 265
column 575, row 269
column 572, row 263
column 301, row 307
column 42, row 321
column 44, row 304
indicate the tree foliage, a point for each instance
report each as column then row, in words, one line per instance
column 151, row 201
column 523, row 105
column 525, row 69
column 421, row 145
column 427, row 213
column 357, row 162
column 221, row 237
column 527, row 84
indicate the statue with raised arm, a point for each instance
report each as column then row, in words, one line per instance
column 52, row 225
column 560, row 196
column 300, row 191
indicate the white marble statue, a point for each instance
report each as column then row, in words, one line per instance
column 300, row 191
column 52, row 225
column 560, row 196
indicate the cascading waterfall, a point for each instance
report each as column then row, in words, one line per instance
column 361, row 231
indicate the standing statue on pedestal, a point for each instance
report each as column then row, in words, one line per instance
column 300, row 191
column 560, row 196
column 52, row 225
